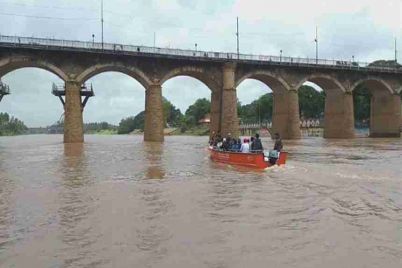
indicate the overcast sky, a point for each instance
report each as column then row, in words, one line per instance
column 363, row 28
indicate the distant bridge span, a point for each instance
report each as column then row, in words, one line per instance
column 75, row 62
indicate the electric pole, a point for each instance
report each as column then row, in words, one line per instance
column 102, row 20
column 396, row 52
column 316, row 45
column 237, row 34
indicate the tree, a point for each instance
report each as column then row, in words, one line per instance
column 128, row 124
column 361, row 104
column 311, row 103
column 197, row 111
column 11, row 125
column 172, row 115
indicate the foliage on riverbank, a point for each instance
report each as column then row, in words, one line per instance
column 10, row 126
column 173, row 117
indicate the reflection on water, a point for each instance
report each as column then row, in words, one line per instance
column 118, row 202
column 154, row 154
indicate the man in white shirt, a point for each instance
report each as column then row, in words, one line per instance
column 245, row 147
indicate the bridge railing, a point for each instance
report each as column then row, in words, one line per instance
column 45, row 43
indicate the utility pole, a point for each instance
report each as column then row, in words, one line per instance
column 316, row 45
column 102, row 20
column 237, row 34
column 396, row 52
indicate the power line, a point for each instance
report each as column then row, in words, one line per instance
column 44, row 17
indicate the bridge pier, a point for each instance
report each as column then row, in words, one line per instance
column 215, row 112
column 154, row 122
column 338, row 115
column 385, row 114
column 285, row 117
column 73, row 121
column 229, row 120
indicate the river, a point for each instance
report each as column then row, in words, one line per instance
column 117, row 202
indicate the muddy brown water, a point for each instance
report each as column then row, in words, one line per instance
column 117, row 202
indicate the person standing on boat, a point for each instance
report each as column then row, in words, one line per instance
column 278, row 143
column 245, row 147
column 257, row 144
column 274, row 154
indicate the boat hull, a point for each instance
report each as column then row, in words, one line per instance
column 251, row 160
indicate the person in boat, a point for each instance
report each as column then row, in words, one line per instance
column 212, row 139
column 237, row 146
column 256, row 146
column 251, row 144
column 233, row 147
column 278, row 143
column 245, row 147
column 218, row 140
column 274, row 154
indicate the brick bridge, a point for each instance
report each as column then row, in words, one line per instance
column 75, row 62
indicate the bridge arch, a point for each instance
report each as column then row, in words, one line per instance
column 194, row 72
column 133, row 72
column 285, row 112
column 373, row 84
column 338, row 108
column 385, row 106
column 14, row 63
column 273, row 81
column 326, row 82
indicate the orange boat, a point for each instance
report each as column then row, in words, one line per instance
column 252, row 160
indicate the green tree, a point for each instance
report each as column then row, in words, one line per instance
column 172, row 115
column 311, row 103
column 197, row 111
column 128, row 124
column 11, row 125
column 361, row 104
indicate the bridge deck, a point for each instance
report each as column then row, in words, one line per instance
column 108, row 48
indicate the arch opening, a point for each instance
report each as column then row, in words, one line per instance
column 377, row 109
column 30, row 99
column 326, row 109
column 190, row 106
column 193, row 72
column 133, row 72
column 311, row 109
column 118, row 105
column 10, row 65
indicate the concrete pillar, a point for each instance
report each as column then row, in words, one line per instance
column 338, row 115
column 385, row 114
column 285, row 116
column 229, row 120
column 215, row 111
column 154, row 122
column 73, row 122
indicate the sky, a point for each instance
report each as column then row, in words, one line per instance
column 365, row 29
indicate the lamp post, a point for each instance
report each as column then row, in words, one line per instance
column 280, row 56
column 195, row 45
column 316, row 45
column 353, row 58
column 93, row 39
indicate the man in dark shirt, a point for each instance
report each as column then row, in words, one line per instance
column 278, row 142
column 257, row 144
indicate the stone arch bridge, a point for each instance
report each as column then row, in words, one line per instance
column 75, row 62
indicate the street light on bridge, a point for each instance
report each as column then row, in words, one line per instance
column 93, row 39
column 316, row 45
column 280, row 56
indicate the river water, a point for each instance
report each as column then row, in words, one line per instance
column 117, row 202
